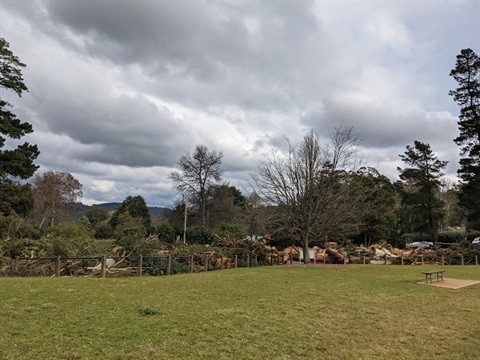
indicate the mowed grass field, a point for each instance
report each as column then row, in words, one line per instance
column 356, row 312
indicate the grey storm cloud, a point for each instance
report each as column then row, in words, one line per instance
column 195, row 48
column 131, row 130
column 119, row 90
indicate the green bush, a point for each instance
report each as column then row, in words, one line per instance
column 69, row 229
column 103, row 230
column 443, row 236
column 230, row 231
column 129, row 237
column 199, row 235
column 147, row 310
column 470, row 235
column 16, row 235
column 166, row 233
column 135, row 239
column 451, row 236
column 67, row 239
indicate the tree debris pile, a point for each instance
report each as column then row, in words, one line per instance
column 375, row 254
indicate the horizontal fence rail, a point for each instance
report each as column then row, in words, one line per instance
column 104, row 266
column 165, row 265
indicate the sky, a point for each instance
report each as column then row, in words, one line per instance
column 120, row 90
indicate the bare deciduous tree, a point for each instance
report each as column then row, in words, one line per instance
column 310, row 190
column 200, row 173
column 52, row 191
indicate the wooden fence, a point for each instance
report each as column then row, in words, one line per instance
column 104, row 266
column 110, row 266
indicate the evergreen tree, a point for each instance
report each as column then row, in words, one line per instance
column 380, row 221
column 467, row 74
column 16, row 164
column 419, row 186
column 132, row 207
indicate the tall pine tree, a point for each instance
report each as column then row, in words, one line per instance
column 16, row 163
column 467, row 74
column 419, row 186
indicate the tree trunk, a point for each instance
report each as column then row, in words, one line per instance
column 204, row 214
column 306, row 254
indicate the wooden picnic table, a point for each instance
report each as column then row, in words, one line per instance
column 428, row 275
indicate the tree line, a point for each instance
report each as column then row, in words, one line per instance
column 313, row 192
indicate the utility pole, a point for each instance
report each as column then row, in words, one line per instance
column 185, row 221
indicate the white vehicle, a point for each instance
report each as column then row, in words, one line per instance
column 420, row 244
column 476, row 241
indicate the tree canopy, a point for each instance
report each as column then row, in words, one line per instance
column 53, row 191
column 310, row 190
column 199, row 175
column 380, row 220
column 467, row 95
column 15, row 163
column 420, row 185
column 133, row 207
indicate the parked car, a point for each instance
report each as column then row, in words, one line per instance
column 476, row 241
column 420, row 244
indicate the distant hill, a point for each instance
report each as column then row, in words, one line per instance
column 154, row 210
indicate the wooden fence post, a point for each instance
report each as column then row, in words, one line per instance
column 422, row 259
column 15, row 264
column 461, row 258
column 291, row 258
column 206, row 263
column 256, row 260
column 476, row 259
column 401, row 259
column 324, row 258
column 236, row 261
column 169, row 264
column 57, row 266
column 386, row 259
column 248, row 260
column 103, row 267
column 191, row 264
column 443, row 259
column 221, row 263
column 140, row 265
column 315, row 259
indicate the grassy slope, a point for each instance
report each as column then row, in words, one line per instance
column 364, row 312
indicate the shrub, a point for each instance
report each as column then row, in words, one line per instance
column 103, row 230
column 230, row 231
column 444, row 236
column 67, row 239
column 166, row 233
column 135, row 239
column 470, row 235
column 147, row 310
column 199, row 235
column 451, row 236
column 16, row 235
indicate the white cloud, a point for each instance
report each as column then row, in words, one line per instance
column 119, row 91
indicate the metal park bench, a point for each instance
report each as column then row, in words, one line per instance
column 428, row 275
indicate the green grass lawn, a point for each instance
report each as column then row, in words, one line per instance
column 359, row 312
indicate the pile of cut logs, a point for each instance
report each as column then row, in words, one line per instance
column 375, row 254
column 294, row 253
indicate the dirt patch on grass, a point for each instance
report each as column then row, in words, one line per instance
column 451, row 283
